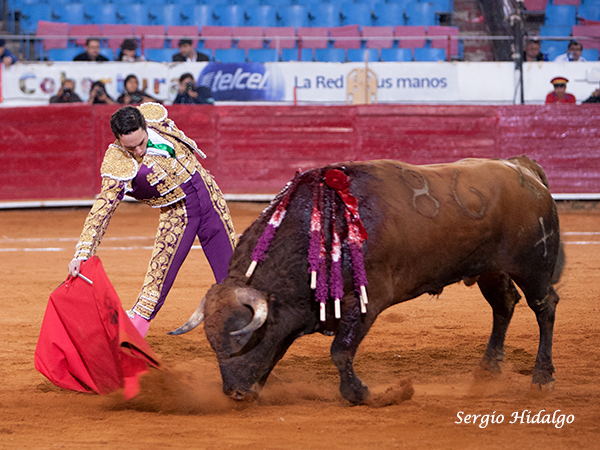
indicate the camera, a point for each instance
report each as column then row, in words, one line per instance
column 99, row 92
column 67, row 92
column 136, row 97
column 190, row 86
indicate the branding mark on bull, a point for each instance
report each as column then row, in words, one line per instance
column 411, row 177
column 470, row 213
column 544, row 238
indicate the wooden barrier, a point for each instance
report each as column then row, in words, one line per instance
column 55, row 152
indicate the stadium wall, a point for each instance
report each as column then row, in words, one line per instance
column 55, row 152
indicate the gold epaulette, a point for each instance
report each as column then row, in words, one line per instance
column 153, row 112
column 118, row 164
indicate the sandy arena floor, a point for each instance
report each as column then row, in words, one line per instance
column 433, row 343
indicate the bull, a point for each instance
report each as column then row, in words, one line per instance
column 491, row 222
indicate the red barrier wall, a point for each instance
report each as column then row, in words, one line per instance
column 54, row 152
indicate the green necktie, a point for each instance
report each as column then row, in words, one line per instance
column 164, row 147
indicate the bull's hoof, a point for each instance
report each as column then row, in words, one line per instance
column 547, row 387
column 491, row 365
column 358, row 394
column 242, row 396
column 543, row 375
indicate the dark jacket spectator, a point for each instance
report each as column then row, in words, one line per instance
column 92, row 52
column 187, row 52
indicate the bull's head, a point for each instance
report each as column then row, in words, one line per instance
column 235, row 320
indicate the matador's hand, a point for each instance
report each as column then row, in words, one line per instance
column 74, row 267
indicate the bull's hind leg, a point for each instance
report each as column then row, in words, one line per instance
column 352, row 329
column 502, row 295
column 545, row 309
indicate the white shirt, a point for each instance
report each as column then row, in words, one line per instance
column 565, row 58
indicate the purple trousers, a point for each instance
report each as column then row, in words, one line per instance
column 202, row 213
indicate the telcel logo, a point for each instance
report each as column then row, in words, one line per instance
column 239, row 80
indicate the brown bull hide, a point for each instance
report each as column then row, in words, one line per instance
column 492, row 222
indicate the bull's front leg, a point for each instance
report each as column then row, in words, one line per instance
column 352, row 329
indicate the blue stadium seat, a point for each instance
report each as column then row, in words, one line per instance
column 589, row 11
column 31, row 14
column 292, row 16
column 260, row 16
column 590, row 54
column 160, row 54
column 202, row 15
column 263, row 55
column 101, row 14
column 230, row 55
column 356, row 14
column 64, row 54
column 330, row 54
column 133, row 13
column 547, row 30
column 442, row 6
column 388, row 15
column 277, row 3
column 324, row 15
column 554, row 48
column 396, row 54
column 360, row 54
column 291, row 54
column 560, row 15
column 71, row 13
column 169, row 15
column 430, row 54
column 418, row 13
column 228, row 15
column 108, row 53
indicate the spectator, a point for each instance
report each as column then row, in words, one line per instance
column 594, row 98
column 188, row 93
column 6, row 56
column 188, row 53
column 532, row 51
column 132, row 94
column 128, row 51
column 560, row 94
column 98, row 94
column 92, row 51
column 573, row 53
column 66, row 93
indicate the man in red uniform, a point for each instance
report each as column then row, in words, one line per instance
column 560, row 94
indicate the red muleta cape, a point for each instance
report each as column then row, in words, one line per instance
column 87, row 342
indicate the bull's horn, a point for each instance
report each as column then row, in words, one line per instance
column 254, row 299
column 193, row 321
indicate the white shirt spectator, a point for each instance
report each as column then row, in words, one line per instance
column 565, row 58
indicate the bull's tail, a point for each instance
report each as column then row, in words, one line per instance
column 560, row 264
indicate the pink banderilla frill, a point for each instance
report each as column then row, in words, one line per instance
column 262, row 245
column 336, row 280
column 357, row 233
column 317, row 252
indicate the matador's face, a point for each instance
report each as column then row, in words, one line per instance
column 135, row 142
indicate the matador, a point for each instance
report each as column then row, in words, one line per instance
column 155, row 162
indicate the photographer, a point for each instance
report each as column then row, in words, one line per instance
column 66, row 93
column 131, row 94
column 190, row 94
column 98, row 94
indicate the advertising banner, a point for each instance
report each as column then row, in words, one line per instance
column 26, row 84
